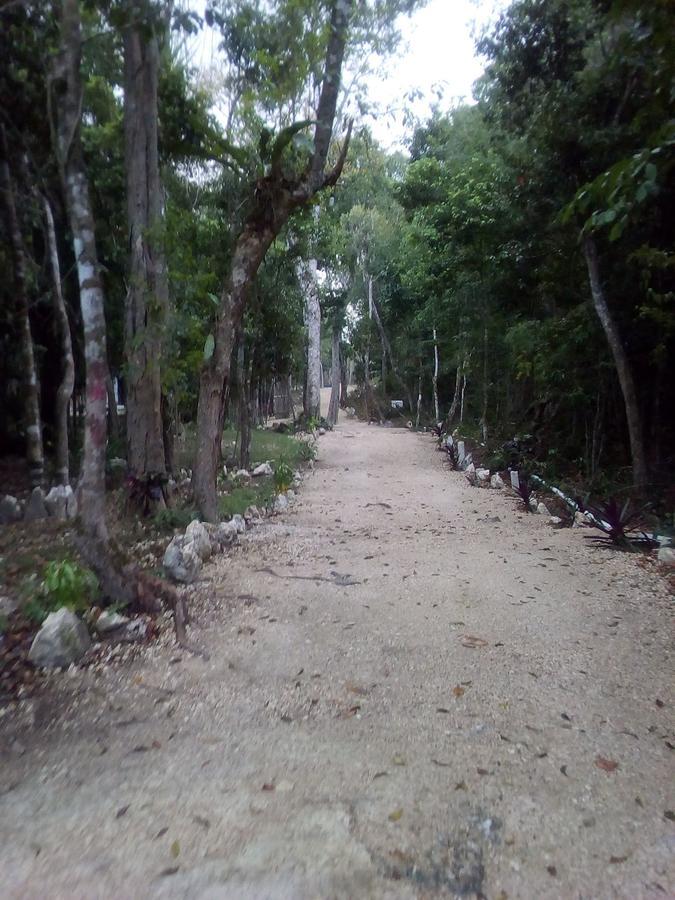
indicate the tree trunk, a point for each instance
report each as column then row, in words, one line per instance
column 273, row 201
column 419, row 397
column 385, row 343
column 452, row 412
column 335, row 371
column 435, row 378
column 313, row 323
column 65, row 388
column 623, row 368
column 148, row 291
column 66, row 105
column 282, row 397
column 344, row 379
column 33, row 424
column 483, row 418
column 113, row 418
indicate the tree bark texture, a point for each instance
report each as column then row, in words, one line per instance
column 65, row 388
column 274, row 200
column 335, row 372
column 66, row 108
column 32, row 420
column 344, row 378
column 148, row 290
column 622, row 363
column 313, row 324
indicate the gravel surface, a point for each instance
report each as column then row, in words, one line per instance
column 412, row 690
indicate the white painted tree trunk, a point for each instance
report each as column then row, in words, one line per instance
column 65, row 389
column 335, row 372
column 66, row 107
column 313, row 323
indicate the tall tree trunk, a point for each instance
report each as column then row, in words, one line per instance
column 113, row 418
column 282, row 397
column 452, row 412
column 148, row 292
column 623, row 367
column 344, row 378
column 65, row 388
column 313, row 323
column 31, row 417
column 435, row 377
column 335, row 371
column 66, row 105
column 274, row 200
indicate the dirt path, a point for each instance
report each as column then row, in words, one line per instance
column 343, row 741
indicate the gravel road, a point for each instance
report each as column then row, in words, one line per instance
column 413, row 690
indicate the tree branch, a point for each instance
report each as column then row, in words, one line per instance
column 331, row 178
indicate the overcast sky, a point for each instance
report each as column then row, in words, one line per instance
column 437, row 53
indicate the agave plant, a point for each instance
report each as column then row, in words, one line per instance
column 616, row 520
column 453, row 455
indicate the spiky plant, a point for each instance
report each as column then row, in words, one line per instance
column 616, row 520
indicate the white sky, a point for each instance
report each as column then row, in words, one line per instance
column 437, row 53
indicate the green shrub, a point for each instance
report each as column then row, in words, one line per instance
column 63, row 583
column 176, row 517
column 306, row 451
column 283, row 475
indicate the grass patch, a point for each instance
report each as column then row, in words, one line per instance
column 240, row 498
column 267, row 445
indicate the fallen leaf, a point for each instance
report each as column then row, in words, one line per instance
column 379, row 775
column 200, row 820
column 458, row 691
column 473, row 642
column 659, row 703
column 398, row 761
column 396, row 815
column 161, row 832
column 461, row 786
column 121, row 812
column 438, row 762
column 482, row 771
column 552, row 871
column 618, row 859
column 607, row 765
column 670, row 815
column 442, row 709
column 175, row 849
column 356, row 689
column 565, row 717
column 268, row 786
column 156, row 745
column 170, row 871
column 563, row 769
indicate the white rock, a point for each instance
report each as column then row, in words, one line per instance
column 239, row 523
column 542, row 509
column 226, row 533
column 290, row 495
column 10, row 510
column 483, row 477
column 666, row 557
column 197, row 534
column 263, row 469
column 35, row 508
column 580, row 519
column 61, row 502
column 109, row 621
column 496, row 481
column 555, row 520
column 242, row 473
column 181, row 562
column 62, row 640
column 470, row 473
column 280, row 503
column 322, row 431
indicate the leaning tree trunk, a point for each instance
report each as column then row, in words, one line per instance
column 335, row 372
column 148, row 291
column 31, row 396
column 623, row 368
column 313, row 323
column 66, row 106
column 65, row 388
column 274, row 199
column 386, row 344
